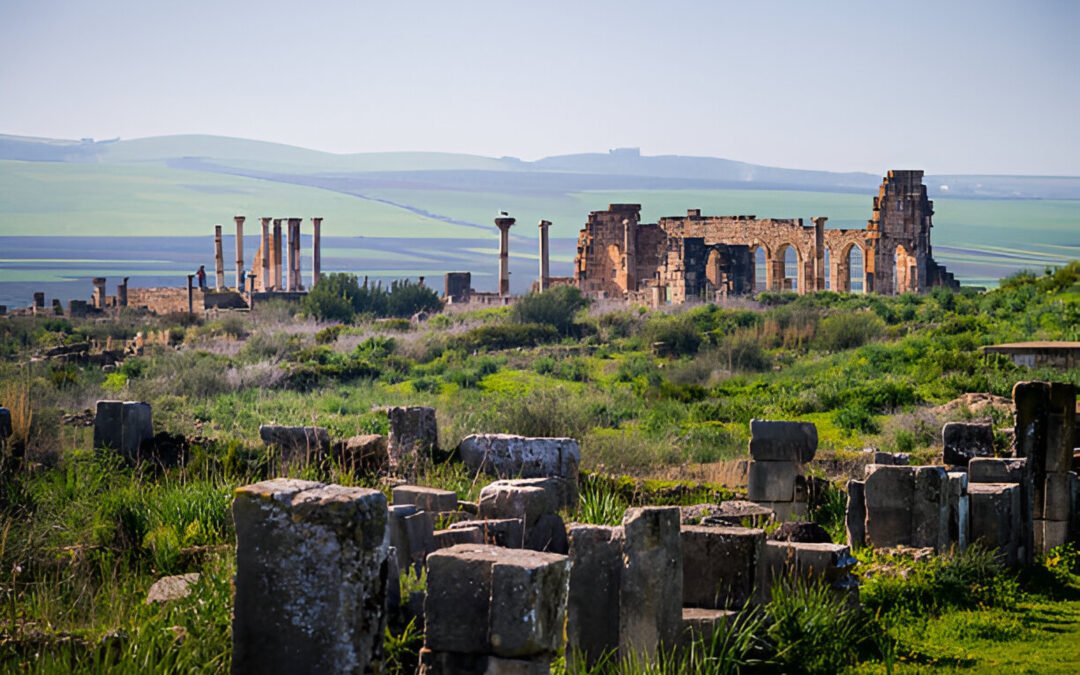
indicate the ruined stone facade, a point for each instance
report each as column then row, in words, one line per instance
column 682, row 258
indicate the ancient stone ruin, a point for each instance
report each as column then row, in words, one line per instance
column 708, row 257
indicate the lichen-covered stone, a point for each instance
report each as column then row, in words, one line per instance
column 510, row 456
column 774, row 441
column 414, row 433
column 592, row 625
column 650, row 616
column 426, row 498
column 311, row 578
column 296, row 443
column 963, row 441
column 719, row 565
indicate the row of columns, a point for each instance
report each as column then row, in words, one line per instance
column 268, row 258
column 504, row 222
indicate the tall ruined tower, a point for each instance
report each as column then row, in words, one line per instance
column 900, row 260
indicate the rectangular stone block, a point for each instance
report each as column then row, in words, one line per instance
column 426, row 498
column 508, row 532
column 461, row 535
column 650, row 615
column 1057, row 500
column 719, row 565
column 311, row 578
column 108, row 425
column 891, row 458
column 1050, row 534
column 831, row 563
column 1061, row 424
column 958, row 509
column 787, row 511
column 510, row 456
column 890, row 500
column 296, row 443
column 773, row 481
column 855, row 520
column 137, row 425
column 592, row 626
column 996, row 469
column 700, row 624
column 930, row 509
column 414, row 433
column 772, row 441
column 1032, row 401
column 420, row 531
column 964, row 441
column 525, row 499
column 449, row 663
column 995, row 522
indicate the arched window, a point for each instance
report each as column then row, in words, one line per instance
column 791, row 269
column 760, row 273
column 827, row 271
column 856, row 273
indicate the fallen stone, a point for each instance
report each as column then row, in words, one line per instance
column 891, row 458
column 739, row 513
column 455, row 536
column 964, row 441
column 592, row 626
column 365, row 454
column 507, row 532
column 807, row 532
column 509, row 456
column 167, row 589
column 548, row 533
column 414, row 433
column 310, row 577
column 832, row 563
column 996, row 469
column 719, row 565
column 517, row 499
column 650, row 616
column 296, row 443
column 425, row 498
column 772, row 441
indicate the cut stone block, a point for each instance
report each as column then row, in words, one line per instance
column 510, row 456
column 414, row 433
column 996, row 469
column 773, row 481
column 508, row 532
column 780, row 559
column 1050, row 534
column 137, row 426
column 787, row 511
column 1057, row 499
column 958, row 509
column 739, row 513
column 772, row 441
column 1060, row 427
column 650, row 615
column 701, row 624
column 366, row 453
column 461, row 535
column 592, row 627
column 311, row 566
column 930, row 509
column 448, row 663
column 548, row 533
column 890, row 493
column 719, row 565
column 525, row 499
column 804, row 531
column 296, row 442
column 855, row 519
column 492, row 600
column 108, row 425
column 995, row 521
column 964, row 441
column 1032, row 401
column 426, row 498
column 892, row 458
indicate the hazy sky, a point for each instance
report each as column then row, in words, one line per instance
column 971, row 87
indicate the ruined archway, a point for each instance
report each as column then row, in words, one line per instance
column 787, row 272
column 714, row 269
column 903, row 271
column 761, row 275
column 856, row 270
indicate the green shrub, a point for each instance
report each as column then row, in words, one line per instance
column 334, row 298
column 847, row 330
column 673, row 336
column 507, row 336
column 555, row 307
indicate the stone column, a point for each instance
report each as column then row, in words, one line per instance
column 544, row 269
column 290, row 256
column 630, row 255
column 239, row 253
column 311, row 561
column 121, row 293
column 504, row 224
column 219, row 259
column 190, row 294
column 294, row 244
column 819, row 255
column 275, row 257
column 316, row 251
column 99, row 292
column 264, row 259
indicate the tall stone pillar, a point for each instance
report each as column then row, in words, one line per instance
column 316, row 251
column 99, row 293
column 264, row 259
column 504, row 224
column 290, row 239
column 275, row 256
column 121, row 293
column 190, row 294
column 239, row 253
column 544, row 269
column 294, row 244
column 820, row 273
column 219, row 259
column 630, row 255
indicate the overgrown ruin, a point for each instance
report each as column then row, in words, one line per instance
column 682, row 258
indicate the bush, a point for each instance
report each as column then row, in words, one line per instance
column 554, row 307
column 334, row 298
column 507, row 336
column 673, row 336
column 847, row 331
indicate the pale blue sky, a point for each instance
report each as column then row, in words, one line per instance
column 971, row 87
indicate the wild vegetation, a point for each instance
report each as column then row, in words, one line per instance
column 655, row 397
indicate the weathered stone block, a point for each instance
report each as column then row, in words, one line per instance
column 508, row 532
column 296, row 443
column 965, row 440
column 455, row 536
column 773, row 481
column 787, row 511
column 700, row 624
column 108, row 425
column 733, row 513
column 772, row 441
column 426, row 498
column 510, row 456
column 548, row 533
column 1057, row 500
column 890, row 500
column 1061, row 424
column 414, row 432
column 517, row 499
column 831, row 562
column 650, row 615
column 805, row 531
column 492, row 600
column 995, row 521
column 448, row 663
column 592, row 627
column 137, row 426
column 1050, row 534
column 420, row 532
column 310, row 578
column 366, row 453
column 958, row 509
column 891, row 458
column 1032, row 401
column 996, row 469
column 855, row 520
column 930, row 509
column 719, row 565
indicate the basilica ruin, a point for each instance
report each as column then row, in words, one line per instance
column 682, row 258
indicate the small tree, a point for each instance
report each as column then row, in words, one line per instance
column 554, row 307
column 333, row 298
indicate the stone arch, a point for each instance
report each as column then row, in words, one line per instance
column 904, row 266
column 855, row 264
column 787, row 268
column 827, row 267
column 760, row 260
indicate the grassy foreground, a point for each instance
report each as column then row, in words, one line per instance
column 651, row 395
